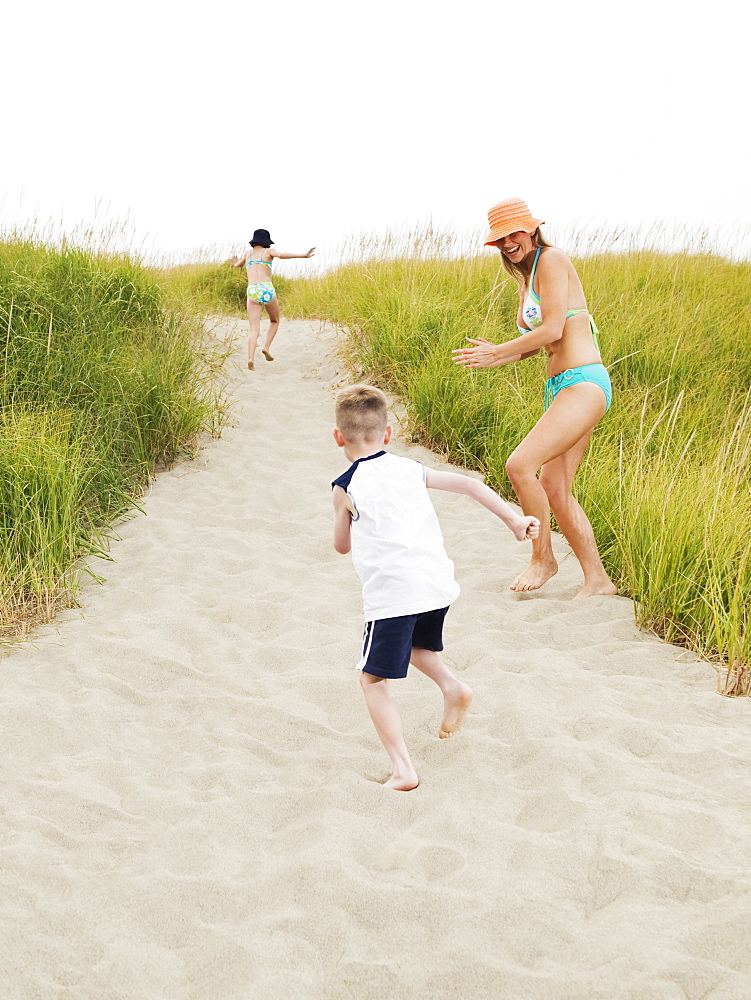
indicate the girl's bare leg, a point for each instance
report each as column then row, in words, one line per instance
column 388, row 725
column 557, row 479
column 272, row 311
column 254, row 321
column 457, row 696
column 566, row 424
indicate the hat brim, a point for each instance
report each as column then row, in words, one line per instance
column 498, row 232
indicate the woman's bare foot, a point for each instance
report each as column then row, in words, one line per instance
column 535, row 575
column 266, row 354
column 455, row 705
column 251, row 366
column 605, row 587
column 403, row 781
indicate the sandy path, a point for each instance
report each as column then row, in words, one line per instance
column 190, row 794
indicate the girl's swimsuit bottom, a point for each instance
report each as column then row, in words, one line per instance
column 261, row 291
column 597, row 374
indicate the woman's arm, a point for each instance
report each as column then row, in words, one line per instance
column 552, row 287
column 238, row 261
column 487, row 355
column 496, row 364
column 290, row 256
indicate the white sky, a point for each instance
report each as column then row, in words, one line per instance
column 200, row 122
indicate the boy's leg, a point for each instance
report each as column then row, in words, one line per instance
column 388, row 725
column 457, row 696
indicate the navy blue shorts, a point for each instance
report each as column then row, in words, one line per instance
column 387, row 642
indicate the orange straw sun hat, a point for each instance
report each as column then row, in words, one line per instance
column 510, row 216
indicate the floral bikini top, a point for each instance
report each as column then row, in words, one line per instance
column 532, row 310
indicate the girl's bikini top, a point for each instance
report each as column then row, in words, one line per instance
column 532, row 310
column 267, row 263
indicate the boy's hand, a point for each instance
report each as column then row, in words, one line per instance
column 526, row 528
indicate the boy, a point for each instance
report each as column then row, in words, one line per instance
column 382, row 514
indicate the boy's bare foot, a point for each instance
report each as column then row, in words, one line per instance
column 535, row 575
column 251, row 366
column 455, row 706
column 604, row 587
column 266, row 354
column 403, row 781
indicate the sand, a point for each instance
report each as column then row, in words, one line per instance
column 191, row 791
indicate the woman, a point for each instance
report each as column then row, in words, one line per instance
column 261, row 292
column 552, row 314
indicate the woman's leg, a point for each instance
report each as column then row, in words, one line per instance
column 567, row 422
column 557, row 479
column 254, row 321
column 388, row 725
column 272, row 311
column 457, row 696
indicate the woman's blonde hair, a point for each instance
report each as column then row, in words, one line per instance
column 519, row 276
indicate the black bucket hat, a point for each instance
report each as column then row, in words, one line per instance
column 262, row 237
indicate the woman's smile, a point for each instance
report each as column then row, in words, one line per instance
column 516, row 246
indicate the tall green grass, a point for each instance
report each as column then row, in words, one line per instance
column 211, row 287
column 666, row 481
column 100, row 380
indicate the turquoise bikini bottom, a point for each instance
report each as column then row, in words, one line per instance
column 597, row 374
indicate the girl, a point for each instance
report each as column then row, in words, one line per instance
column 261, row 292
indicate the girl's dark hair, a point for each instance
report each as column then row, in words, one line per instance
column 519, row 276
column 264, row 245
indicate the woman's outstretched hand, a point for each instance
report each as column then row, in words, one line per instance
column 310, row 252
column 482, row 355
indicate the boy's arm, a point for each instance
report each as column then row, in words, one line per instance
column 342, row 520
column 522, row 526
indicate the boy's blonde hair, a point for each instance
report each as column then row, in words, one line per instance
column 362, row 412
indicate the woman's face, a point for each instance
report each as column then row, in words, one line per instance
column 516, row 246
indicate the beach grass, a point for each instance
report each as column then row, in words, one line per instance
column 666, row 480
column 102, row 380
column 210, row 287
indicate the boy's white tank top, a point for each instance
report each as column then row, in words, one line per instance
column 397, row 545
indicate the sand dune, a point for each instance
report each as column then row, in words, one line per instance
column 191, row 797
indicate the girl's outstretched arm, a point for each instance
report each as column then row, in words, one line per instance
column 236, row 261
column 291, row 256
column 521, row 526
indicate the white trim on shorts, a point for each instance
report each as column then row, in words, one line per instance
column 366, row 645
